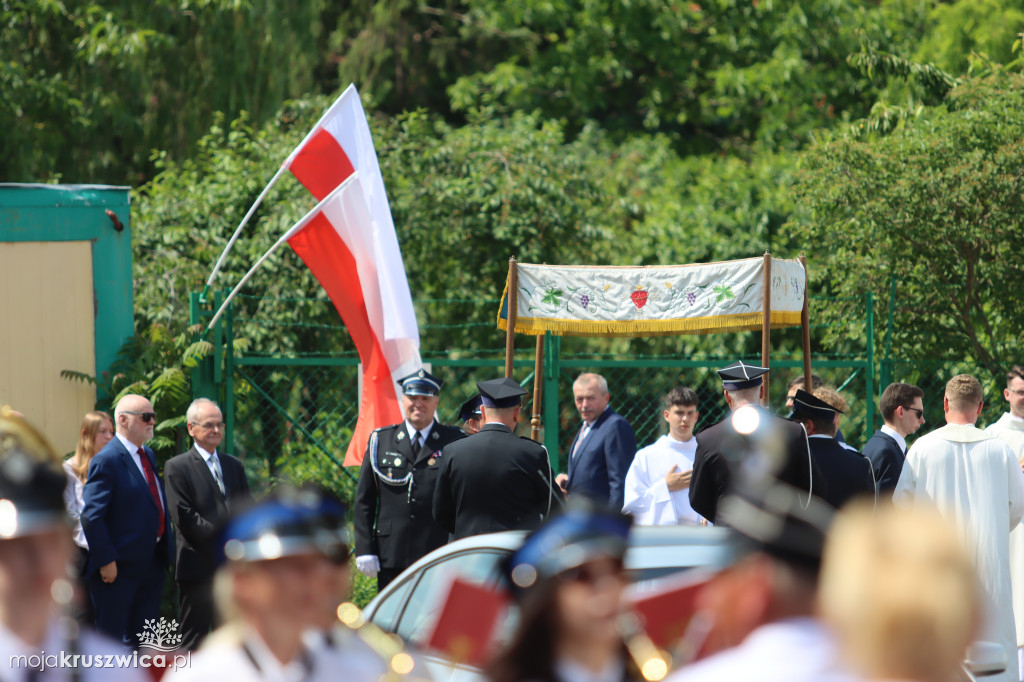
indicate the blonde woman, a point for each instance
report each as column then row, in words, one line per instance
column 96, row 431
column 900, row 591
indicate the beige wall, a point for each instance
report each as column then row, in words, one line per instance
column 46, row 325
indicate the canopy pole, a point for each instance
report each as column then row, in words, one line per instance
column 766, row 323
column 513, row 304
column 538, row 389
column 805, row 324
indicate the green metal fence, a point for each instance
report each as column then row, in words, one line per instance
column 292, row 413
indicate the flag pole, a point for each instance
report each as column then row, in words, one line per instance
column 284, row 166
column 238, row 231
column 285, row 237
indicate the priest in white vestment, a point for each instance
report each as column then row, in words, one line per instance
column 1010, row 429
column 974, row 479
column 657, row 490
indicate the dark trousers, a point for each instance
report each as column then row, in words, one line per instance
column 197, row 614
column 385, row 576
column 84, row 612
column 123, row 606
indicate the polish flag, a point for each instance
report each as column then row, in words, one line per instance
column 338, row 242
column 338, row 145
column 349, row 243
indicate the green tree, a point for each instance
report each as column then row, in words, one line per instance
column 90, row 88
column 936, row 206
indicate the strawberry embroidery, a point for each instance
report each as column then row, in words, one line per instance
column 639, row 297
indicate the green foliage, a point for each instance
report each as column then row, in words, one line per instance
column 957, row 30
column 91, row 87
column 154, row 363
column 936, row 205
column 713, row 75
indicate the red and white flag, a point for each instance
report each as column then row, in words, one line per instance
column 337, row 241
column 349, row 243
column 338, row 145
column 352, row 248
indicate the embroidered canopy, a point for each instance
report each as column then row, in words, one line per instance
column 579, row 300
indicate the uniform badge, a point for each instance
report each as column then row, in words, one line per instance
column 435, row 435
column 401, row 435
column 432, row 461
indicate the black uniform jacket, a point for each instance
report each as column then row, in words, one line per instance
column 392, row 514
column 494, row 480
column 713, row 470
column 847, row 473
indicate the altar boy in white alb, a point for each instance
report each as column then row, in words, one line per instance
column 975, row 481
column 1010, row 429
column 658, row 481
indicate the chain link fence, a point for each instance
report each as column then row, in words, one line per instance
column 293, row 387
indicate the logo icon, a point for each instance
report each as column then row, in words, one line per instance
column 160, row 634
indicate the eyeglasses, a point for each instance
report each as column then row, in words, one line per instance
column 147, row 417
column 919, row 413
column 209, row 426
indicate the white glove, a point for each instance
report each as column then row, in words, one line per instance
column 368, row 565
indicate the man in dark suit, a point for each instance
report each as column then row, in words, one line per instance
column 203, row 488
column 603, row 448
column 393, row 516
column 718, row 451
column 494, row 480
column 847, row 473
column 903, row 414
column 126, row 523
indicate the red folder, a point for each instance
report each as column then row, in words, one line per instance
column 464, row 630
column 666, row 607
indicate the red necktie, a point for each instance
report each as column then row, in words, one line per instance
column 153, row 489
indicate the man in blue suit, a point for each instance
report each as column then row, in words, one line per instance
column 903, row 413
column 602, row 450
column 126, row 523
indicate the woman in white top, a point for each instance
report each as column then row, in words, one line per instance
column 97, row 430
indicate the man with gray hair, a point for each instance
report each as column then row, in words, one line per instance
column 203, row 488
column 603, row 448
column 974, row 480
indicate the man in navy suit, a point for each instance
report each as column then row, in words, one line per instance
column 602, row 450
column 903, row 414
column 126, row 523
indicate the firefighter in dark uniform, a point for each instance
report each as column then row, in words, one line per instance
column 393, row 522
column 495, row 480
column 720, row 454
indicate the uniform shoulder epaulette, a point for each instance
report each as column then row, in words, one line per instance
column 531, row 440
